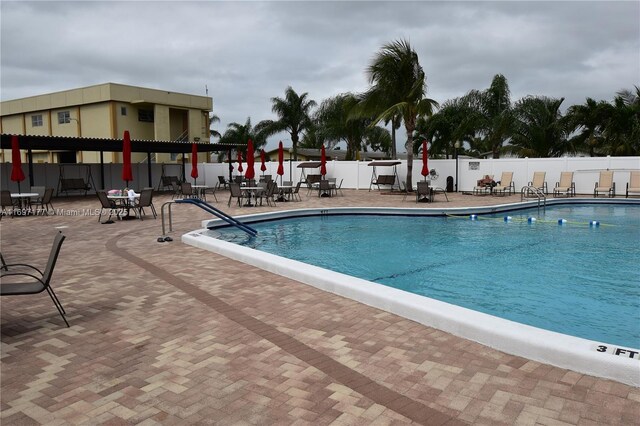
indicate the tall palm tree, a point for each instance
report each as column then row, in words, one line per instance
column 622, row 124
column 446, row 127
column 539, row 130
column 588, row 120
column 491, row 114
column 398, row 89
column 294, row 117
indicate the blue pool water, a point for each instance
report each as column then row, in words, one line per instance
column 574, row 279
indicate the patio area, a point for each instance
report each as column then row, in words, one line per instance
column 165, row 333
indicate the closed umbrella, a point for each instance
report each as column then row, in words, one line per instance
column 251, row 173
column 323, row 162
column 280, row 161
column 425, row 159
column 240, row 161
column 127, row 173
column 194, row 162
column 17, row 175
column 263, row 166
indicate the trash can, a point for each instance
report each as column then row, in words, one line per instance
column 449, row 183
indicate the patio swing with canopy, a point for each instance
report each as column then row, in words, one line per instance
column 75, row 177
column 311, row 178
column 392, row 180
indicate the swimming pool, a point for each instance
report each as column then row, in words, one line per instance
column 562, row 350
column 575, row 279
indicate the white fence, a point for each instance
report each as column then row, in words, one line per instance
column 354, row 174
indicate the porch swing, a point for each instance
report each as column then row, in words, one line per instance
column 167, row 181
column 71, row 178
column 391, row 180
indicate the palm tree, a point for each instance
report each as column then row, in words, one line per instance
column 398, row 90
column 444, row 128
column 294, row 117
column 239, row 134
column 335, row 123
column 491, row 115
column 214, row 119
column 588, row 121
column 539, row 129
column 622, row 124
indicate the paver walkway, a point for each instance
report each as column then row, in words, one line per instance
column 164, row 333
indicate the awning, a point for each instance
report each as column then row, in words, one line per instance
column 309, row 165
column 384, row 163
column 65, row 143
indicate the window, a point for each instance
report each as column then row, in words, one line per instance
column 145, row 115
column 64, row 117
column 36, row 120
column 123, row 110
column 174, row 156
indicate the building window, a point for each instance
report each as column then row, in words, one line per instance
column 64, row 117
column 36, row 120
column 123, row 110
column 145, row 115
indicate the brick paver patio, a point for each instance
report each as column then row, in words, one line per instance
column 164, row 333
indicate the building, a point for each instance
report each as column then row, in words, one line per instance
column 106, row 111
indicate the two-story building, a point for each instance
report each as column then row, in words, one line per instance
column 106, row 111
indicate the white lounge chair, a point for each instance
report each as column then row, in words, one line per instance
column 633, row 186
column 605, row 184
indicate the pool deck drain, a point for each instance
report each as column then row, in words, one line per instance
column 168, row 334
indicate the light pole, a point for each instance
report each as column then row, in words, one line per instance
column 456, row 146
column 290, row 168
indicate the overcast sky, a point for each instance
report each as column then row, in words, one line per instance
column 245, row 53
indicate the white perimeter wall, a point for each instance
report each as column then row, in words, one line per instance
column 355, row 174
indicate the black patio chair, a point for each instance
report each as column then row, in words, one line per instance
column 7, row 201
column 108, row 204
column 145, row 200
column 234, row 192
column 33, row 284
column 43, row 204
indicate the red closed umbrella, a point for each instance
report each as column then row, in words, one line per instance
column 323, row 161
column 263, row 166
column 127, row 173
column 17, row 175
column 240, row 161
column 251, row 173
column 425, row 159
column 194, row 162
column 280, row 161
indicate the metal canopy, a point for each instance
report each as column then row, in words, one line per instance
column 64, row 143
column 310, row 165
column 384, row 163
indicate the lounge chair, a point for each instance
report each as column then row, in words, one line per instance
column 484, row 185
column 605, row 184
column 30, row 283
column 538, row 182
column 566, row 187
column 633, row 186
column 505, row 185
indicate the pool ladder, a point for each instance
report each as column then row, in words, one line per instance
column 533, row 192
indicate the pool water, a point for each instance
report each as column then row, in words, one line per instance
column 574, row 278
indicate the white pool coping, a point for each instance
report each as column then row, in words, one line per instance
column 561, row 350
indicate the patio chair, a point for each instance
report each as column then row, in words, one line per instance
column 108, row 204
column 6, row 201
column 145, row 200
column 484, row 185
column 296, row 192
column 177, row 190
column 538, row 182
column 423, row 191
column 29, row 283
column 235, row 192
column 44, row 203
column 566, row 187
column 270, row 193
column 211, row 190
column 605, row 184
column 222, row 181
column 505, row 185
column 324, row 188
column 339, row 188
column 38, row 190
column 633, row 186
column 186, row 190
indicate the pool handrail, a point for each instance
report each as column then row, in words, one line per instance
column 218, row 213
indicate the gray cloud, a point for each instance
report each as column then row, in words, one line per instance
column 248, row 52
